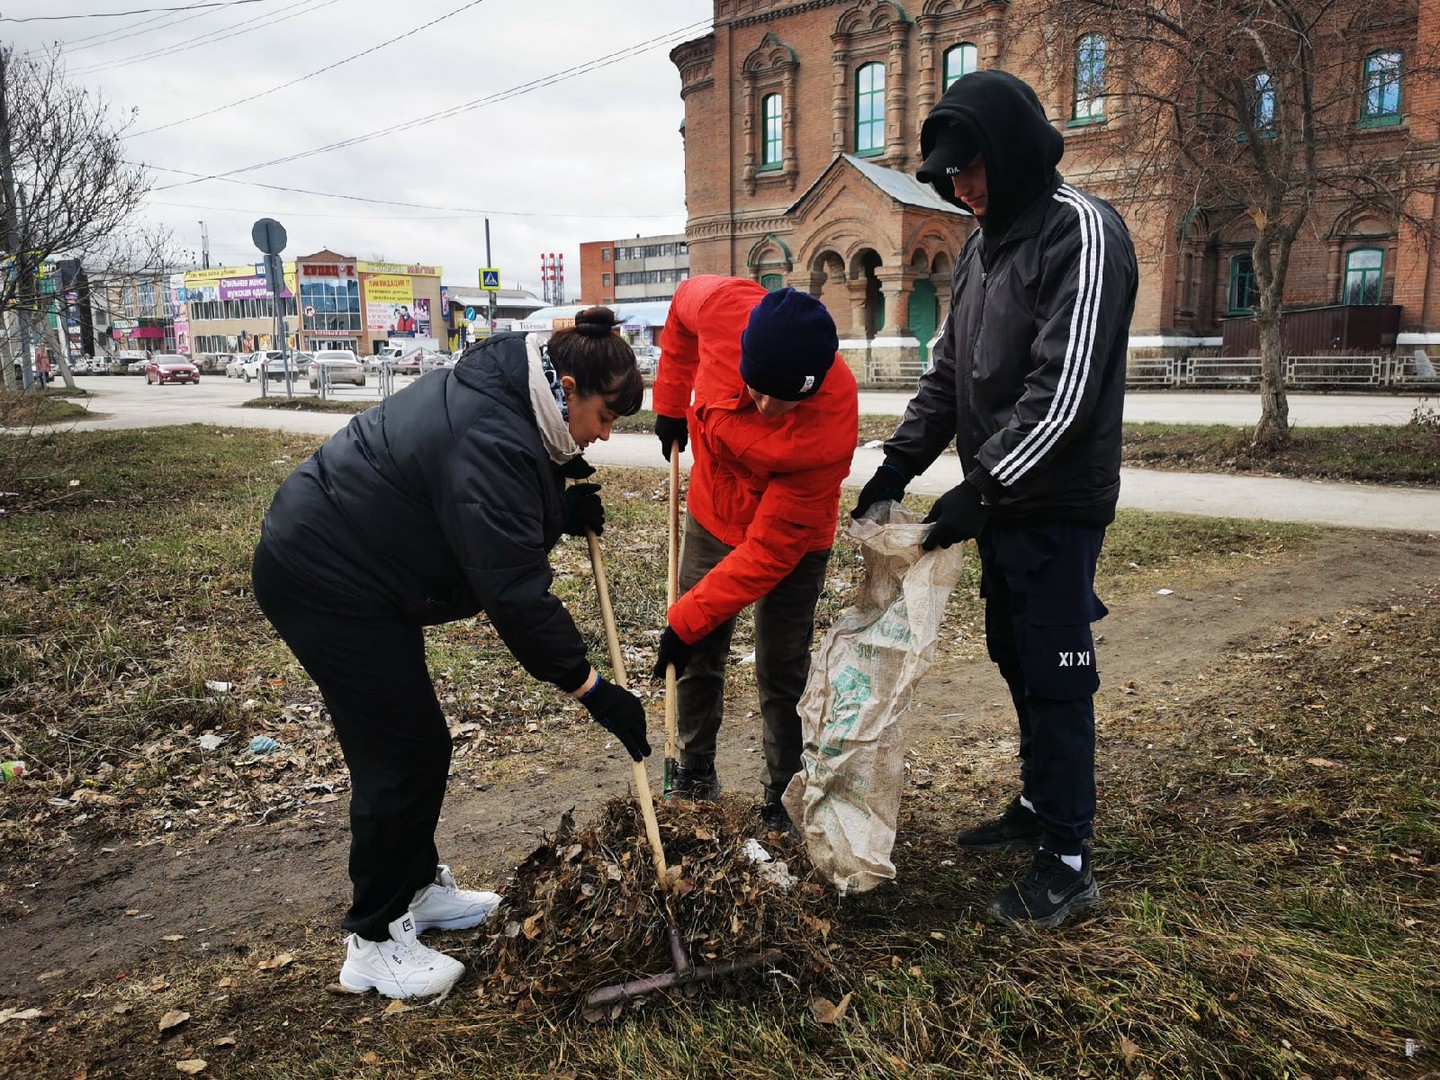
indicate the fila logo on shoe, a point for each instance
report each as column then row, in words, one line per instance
column 1074, row 659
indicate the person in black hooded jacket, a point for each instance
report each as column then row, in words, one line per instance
column 1029, row 380
column 441, row 503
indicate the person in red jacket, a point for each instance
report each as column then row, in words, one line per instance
column 750, row 379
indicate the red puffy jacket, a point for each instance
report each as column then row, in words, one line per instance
column 769, row 487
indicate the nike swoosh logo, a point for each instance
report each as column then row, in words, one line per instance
column 1054, row 898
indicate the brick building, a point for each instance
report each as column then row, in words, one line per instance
column 802, row 120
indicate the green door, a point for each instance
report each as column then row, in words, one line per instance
column 924, row 315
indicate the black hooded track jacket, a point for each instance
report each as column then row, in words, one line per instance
column 1029, row 371
column 437, row 504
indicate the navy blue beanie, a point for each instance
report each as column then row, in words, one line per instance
column 788, row 345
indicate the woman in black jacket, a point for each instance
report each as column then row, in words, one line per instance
column 441, row 503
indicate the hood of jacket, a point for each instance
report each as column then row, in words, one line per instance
column 1007, row 122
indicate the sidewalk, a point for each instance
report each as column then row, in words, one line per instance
column 1265, row 498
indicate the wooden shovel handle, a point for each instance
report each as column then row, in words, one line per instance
column 672, row 591
column 617, row 663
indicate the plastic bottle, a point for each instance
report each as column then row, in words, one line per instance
column 11, row 770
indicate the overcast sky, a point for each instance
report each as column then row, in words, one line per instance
column 592, row 154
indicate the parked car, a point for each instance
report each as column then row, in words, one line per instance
column 647, row 358
column 417, row 361
column 235, row 365
column 341, row 366
column 165, row 368
column 267, row 363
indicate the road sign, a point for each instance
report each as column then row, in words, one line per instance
column 490, row 278
column 269, row 236
column 309, row 311
column 469, row 314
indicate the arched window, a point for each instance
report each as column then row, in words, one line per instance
column 960, row 60
column 1244, row 293
column 870, row 109
column 1089, row 79
column 1364, row 276
column 771, row 142
column 772, row 282
column 1381, row 103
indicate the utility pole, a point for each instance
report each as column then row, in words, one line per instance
column 490, row 318
column 14, row 239
column 204, row 247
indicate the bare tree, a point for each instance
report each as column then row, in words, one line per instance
column 66, row 189
column 1250, row 110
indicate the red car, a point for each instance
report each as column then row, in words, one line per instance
column 171, row 367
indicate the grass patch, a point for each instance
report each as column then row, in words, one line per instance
column 19, row 410
column 309, row 403
column 1269, row 850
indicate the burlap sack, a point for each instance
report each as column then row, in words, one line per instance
column 845, row 799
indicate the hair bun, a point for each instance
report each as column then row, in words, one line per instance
column 596, row 322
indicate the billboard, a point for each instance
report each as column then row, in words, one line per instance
column 389, row 305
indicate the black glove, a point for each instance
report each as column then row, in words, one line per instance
column 887, row 483
column 957, row 515
column 672, row 651
column 584, row 510
column 619, row 712
column 672, row 429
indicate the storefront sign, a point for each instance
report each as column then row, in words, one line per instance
column 412, row 270
column 247, row 288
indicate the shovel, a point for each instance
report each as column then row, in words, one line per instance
column 617, row 663
column 598, row 1003
column 672, row 587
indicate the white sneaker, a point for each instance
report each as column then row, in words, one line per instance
column 400, row 967
column 442, row 906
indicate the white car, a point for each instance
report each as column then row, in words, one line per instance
column 272, row 361
column 341, row 366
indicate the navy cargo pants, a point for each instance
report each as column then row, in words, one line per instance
column 1038, row 583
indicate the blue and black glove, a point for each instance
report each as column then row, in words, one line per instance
column 958, row 515
column 672, row 430
column 584, row 510
column 673, row 650
column 619, row 712
column 888, row 484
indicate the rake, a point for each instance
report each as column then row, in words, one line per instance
column 684, row 972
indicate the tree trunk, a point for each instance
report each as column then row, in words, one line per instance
column 1273, row 430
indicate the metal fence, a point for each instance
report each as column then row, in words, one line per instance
column 892, row 372
column 1319, row 372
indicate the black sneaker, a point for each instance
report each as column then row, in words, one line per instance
column 1048, row 893
column 776, row 818
column 701, row 784
column 1017, row 829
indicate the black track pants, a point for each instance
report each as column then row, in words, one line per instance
column 370, row 668
column 1039, row 588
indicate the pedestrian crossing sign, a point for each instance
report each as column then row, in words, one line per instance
column 490, row 278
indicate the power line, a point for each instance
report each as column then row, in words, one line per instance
column 445, row 114
column 311, row 75
column 105, row 37
column 121, row 14
column 463, row 210
column 224, row 33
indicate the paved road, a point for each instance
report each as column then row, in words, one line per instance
column 125, row 401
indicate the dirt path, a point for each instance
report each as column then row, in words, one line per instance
column 96, row 911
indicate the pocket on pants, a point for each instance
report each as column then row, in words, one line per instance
column 1057, row 655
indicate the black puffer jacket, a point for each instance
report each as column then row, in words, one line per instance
column 1029, row 371
column 437, row 504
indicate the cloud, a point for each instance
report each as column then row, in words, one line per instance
column 592, row 155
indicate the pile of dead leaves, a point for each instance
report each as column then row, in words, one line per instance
column 586, row 910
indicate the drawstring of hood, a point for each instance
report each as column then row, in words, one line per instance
column 1020, row 147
